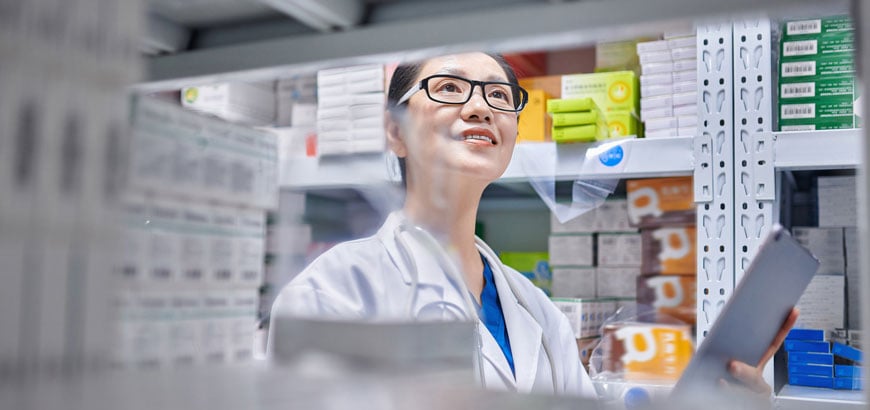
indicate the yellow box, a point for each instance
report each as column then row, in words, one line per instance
column 622, row 124
column 551, row 84
column 533, row 125
column 616, row 91
column 646, row 351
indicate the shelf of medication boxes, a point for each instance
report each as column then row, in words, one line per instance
column 800, row 397
column 626, row 158
column 807, row 150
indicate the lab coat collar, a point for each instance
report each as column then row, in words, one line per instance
column 524, row 332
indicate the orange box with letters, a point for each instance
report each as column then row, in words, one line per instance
column 660, row 201
column 671, row 295
column 646, row 351
column 669, row 250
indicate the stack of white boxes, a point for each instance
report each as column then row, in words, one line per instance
column 287, row 241
column 350, row 110
column 595, row 259
column 251, row 104
column 193, row 237
column 63, row 136
column 669, row 86
column 837, row 206
column 296, row 101
column 822, row 305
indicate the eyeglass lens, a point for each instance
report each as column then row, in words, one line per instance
column 454, row 90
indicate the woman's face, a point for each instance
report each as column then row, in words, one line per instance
column 446, row 137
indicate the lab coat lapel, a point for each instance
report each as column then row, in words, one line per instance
column 492, row 353
column 524, row 331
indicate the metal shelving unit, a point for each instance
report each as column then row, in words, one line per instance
column 733, row 158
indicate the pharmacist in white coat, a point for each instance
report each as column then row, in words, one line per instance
column 452, row 121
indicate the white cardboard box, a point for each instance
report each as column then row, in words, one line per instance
column 573, row 282
column 827, row 245
column 822, row 304
column 616, row 281
column 619, row 249
column 571, row 250
column 853, row 278
column 585, row 223
column 837, row 201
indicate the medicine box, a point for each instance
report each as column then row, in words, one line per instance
column 646, row 351
column 614, row 91
column 810, row 381
column 533, row 123
column 660, row 201
column 571, row 250
column 669, row 295
column 573, row 282
column 622, row 124
column 848, row 383
column 837, row 201
column 810, row 358
column 846, row 352
column 616, row 281
column 806, row 346
column 827, row 245
column 584, row 223
column 817, row 108
column 822, row 25
column 619, row 249
column 812, row 124
column 822, row 66
column 805, row 334
column 813, row 45
column 811, row 369
column 844, row 370
column 817, row 87
column 822, row 303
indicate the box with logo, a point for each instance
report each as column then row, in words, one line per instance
column 646, row 351
column 822, row 25
column 532, row 265
column 791, row 88
column 670, row 295
column 660, row 201
column 616, row 281
column 816, row 108
column 586, row 315
column 573, row 282
column 622, row 124
column 827, row 245
column 818, row 66
column 669, row 250
column 619, row 249
column 818, row 44
column 614, row 91
column 572, row 250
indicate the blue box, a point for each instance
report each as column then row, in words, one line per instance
column 846, row 352
column 810, row 358
column 848, row 383
column 802, row 346
column 811, row 370
column 806, row 334
column 811, row 381
column 842, row 370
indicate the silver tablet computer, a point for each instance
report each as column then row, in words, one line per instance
column 749, row 321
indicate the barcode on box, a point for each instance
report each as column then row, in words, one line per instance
column 798, row 90
column 800, row 48
column 804, row 27
column 792, row 111
column 798, row 68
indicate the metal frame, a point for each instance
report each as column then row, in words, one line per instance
column 715, row 216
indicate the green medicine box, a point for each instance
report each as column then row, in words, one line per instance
column 791, row 88
column 813, row 45
column 816, row 108
column 817, row 66
column 823, row 25
column 812, row 124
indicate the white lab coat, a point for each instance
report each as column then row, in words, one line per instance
column 370, row 278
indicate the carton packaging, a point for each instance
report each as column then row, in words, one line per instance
column 646, row 351
column 822, row 25
column 614, row 91
column 853, row 279
column 818, row 44
column 573, row 282
column 534, row 123
column 193, row 241
column 818, row 66
column 163, row 241
column 616, row 281
column 837, row 201
column 658, row 201
column 586, row 316
column 822, row 304
column 572, row 250
column 811, row 124
column 670, row 295
column 817, row 108
column 223, row 247
column 619, row 250
column 817, row 87
column 669, row 250
column 827, row 245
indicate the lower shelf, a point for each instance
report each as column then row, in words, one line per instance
column 799, row 397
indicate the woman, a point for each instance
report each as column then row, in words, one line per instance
column 452, row 121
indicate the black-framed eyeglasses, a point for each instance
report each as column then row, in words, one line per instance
column 451, row 89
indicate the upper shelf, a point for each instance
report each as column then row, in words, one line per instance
column 548, row 25
column 628, row 158
column 809, row 150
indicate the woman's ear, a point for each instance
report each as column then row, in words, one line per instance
column 395, row 140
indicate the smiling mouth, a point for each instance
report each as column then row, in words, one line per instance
column 478, row 138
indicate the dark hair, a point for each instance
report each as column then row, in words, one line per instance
column 404, row 78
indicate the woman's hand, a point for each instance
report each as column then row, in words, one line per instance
column 750, row 377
